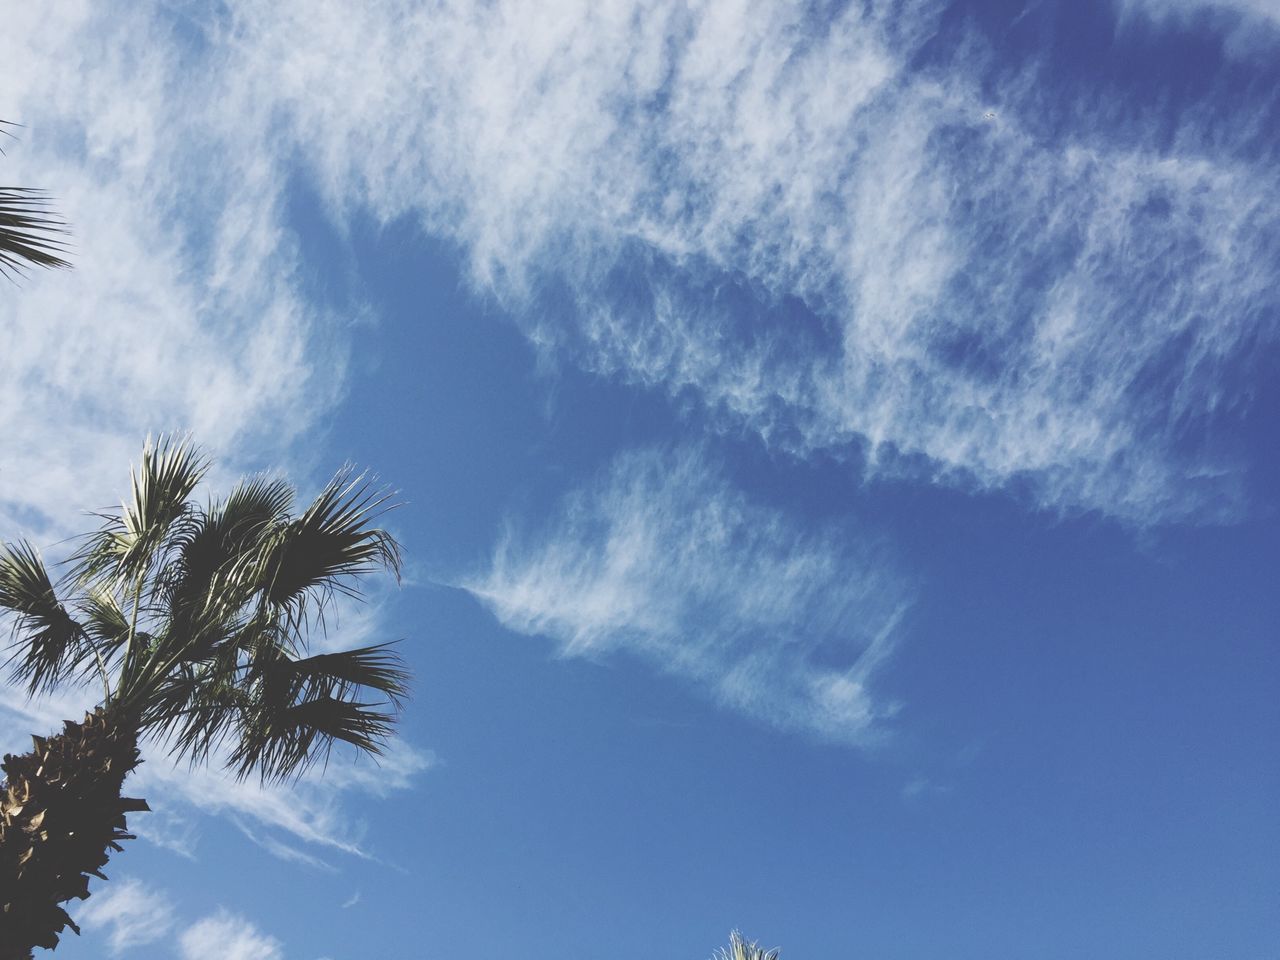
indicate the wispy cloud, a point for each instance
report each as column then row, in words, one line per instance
column 790, row 211
column 131, row 913
column 1253, row 10
column 184, row 310
column 919, row 787
column 794, row 220
column 664, row 559
column 227, row 936
column 284, row 851
column 173, row 830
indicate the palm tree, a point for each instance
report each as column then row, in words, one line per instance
column 739, row 949
column 195, row 621
column 29, row 232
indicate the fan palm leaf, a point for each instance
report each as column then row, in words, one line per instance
column 332, row 543
column 48, row 642
column 31, row 234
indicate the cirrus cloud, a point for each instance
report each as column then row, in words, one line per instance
column 663, row 559
column 803, row 215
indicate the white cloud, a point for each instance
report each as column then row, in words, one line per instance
column 172, row 830
column 665, row 560
column 1067, row 310
column 284, row 851
column 1064, row 311
column 226, row 936
column 132, row 913
column 1259, row 9
column 184, row 309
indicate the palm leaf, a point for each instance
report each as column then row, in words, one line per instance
column 740, row 949
column 30, row 234
column 128, row 545
column 329, row 546
column 217, row 553
column 229, row 531
column 48, row 642
column 195, row 708
column 342, row 673
column 104, row 622
column 279, row 742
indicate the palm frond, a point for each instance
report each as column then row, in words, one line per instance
column 30, row 233
column 376, row 668
column 253, row 503
column 194, row 709
column 218, row 553
column 740, row 949
column 104, row 621
column 48, row 642
column 329, row 546
column 164, row 480
column 126, row 547
column 279, row 743
column 231, row 530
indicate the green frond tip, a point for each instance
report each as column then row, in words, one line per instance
column 47, row 642
column 330, row 546
column 740, row 949
column 129, row 544
column 280, row 743
column 377, row 668
column 31, row 234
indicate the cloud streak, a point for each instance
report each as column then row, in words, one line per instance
column 227, row 936
column 132, row 913
column 800, row 214
column 663, row 559
column 820, row 231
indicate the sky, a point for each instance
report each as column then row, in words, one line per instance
column 837, row 445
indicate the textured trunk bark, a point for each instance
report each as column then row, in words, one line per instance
column 61, row 814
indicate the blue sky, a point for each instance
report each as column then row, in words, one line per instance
column 837, row 441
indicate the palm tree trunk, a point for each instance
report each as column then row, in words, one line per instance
column 61, row 814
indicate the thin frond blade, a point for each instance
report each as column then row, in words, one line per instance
column 48, row 642
column 125, row 548
column 31, row 234
column 330, row 545
column 742, row 949
column 217, row 555
column 279, row 742
column 376, row 668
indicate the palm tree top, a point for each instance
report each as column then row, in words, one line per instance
column 197, row 618
column 741, row 949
